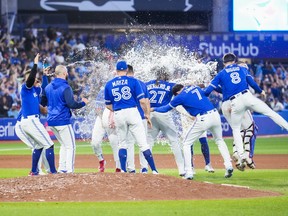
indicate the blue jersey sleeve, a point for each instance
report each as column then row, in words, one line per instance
column 253, row 84
column 138, row 90
column 71, row 103
column 213, row 85
column 163, row 109
column 108, row 100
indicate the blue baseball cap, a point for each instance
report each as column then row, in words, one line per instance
column 121, row 65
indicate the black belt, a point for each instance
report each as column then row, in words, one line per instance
column 207, row 112
column 124, row 108
column 234, row 96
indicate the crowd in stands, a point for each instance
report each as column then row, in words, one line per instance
column 16, row 55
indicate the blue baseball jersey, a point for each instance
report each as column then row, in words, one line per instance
column 123, row 92
column 159, row 94
column 30, row 100
column 233, row 79
column 192, row 98
column 146, row 95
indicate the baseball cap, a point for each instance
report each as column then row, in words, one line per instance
column 121, row 65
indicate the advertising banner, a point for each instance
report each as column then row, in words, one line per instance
column 265, row 124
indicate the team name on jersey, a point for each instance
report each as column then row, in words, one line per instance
column 120, row 82
column 161, row 86
column 228, row 70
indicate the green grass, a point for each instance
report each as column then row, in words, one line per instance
column 268, row 180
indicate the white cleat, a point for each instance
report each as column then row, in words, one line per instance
column 209, row 168
column 188, row 176
column 155, row 172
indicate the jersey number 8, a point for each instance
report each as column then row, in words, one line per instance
column 124, row 93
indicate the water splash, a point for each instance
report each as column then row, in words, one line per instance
column 98, row 66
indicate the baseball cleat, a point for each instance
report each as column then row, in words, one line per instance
column 250, row 163
column 240, row 166
column 117, row 170
column 102, row 165
column 188, row 176
column 155, row 172
column 33, row 173
column 209, row 168
column 132, row 171
column 228, row 173
column 144, row 171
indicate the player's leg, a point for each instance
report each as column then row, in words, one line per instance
column 35, row 129
column 206, row 152
column 249, row 137
column 121, row 124
column 130, row 153
column 167, row 126
column 98, row 133
column 215, row 127
column 138, row 131
column 142, row 160
column 191, row 136
column 261, row 107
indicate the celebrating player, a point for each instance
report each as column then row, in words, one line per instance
column 59, row 99
column 130, row 139
column 194, row 101
column 31, row 124
column 234, row 81
column 121, row 96
column 160, row 91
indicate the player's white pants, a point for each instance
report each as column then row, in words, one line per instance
column 66, row 137
column 101, row 127
column 164, row 122
column 212, row 122
column 130, row 119
column 246, row 123
column 239, row 105
column 131, row 151
column 30, row 143
column 37, row 132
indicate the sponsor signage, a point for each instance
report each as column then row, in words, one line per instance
column 116, row 5
column 265, row 124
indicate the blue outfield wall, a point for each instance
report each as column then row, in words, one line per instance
column 266, row 127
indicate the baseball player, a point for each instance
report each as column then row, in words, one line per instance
column 160, row 94
column 121, row 96
column 30, row 122
column 101, row 127
column 248, row 132
column 59, row 99
column 130, row 139
column 194, row 101
column 234, row 81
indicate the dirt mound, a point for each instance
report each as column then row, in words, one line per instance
column 115, row 187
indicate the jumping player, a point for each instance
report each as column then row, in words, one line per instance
column 194, row 101
column 59, row 99
column 234, row 81
column 31, row 124
column 121, row 96
column 160, row 91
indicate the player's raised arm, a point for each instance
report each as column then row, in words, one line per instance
column 32, row 76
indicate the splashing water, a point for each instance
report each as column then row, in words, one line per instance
column 99, row 65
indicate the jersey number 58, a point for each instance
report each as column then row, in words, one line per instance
column 123, row 93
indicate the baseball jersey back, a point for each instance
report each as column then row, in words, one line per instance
column 159, row 94
column 123, row 92
column 30, row 100
column 193, row 99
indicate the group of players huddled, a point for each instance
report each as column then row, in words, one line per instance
column 133, row 112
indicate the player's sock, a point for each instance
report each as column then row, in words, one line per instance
column 35, row 159
column 148, row 156
column 192, row 154
column 123, row 158
column 51, row 159
column 205, row 149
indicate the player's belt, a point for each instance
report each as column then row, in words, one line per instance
column 208, row 112
column 124, row 108
column 31, row 117
column 236, row 95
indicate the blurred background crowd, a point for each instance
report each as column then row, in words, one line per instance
column 56, row 47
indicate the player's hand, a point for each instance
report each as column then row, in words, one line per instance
column 36, row 59
column 85, row 100
column 43, row 110
column 111, row 120
column 149, row 122
column 263, row 94
column 151, row 109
